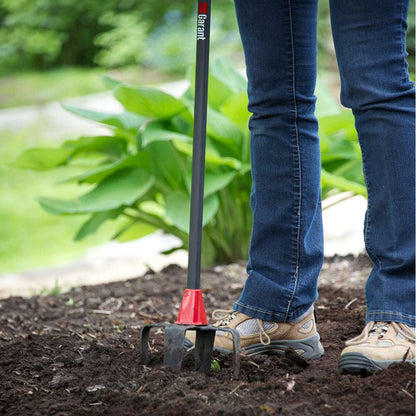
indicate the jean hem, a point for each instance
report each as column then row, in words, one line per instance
column 269, row 316
column 391, row 316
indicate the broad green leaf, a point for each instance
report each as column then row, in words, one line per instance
column 119, row 189
column 336, row 122
column 218, row 91
column 325, row 104
column 225, row 131
column 324, row 142
column 42, row 159
column 153, row 208
column 109, row 82
column 213, row 181
column 141, row 160
column 95, row 221
column 339, row 149
column 351, row 170
column 126, row 120
column 113, row 147
column 210, row 156
column 158, row 132
column 226, row 73
column 334, row 181
column 148, row 102
column 178, row 209
column 168, row 165
column 235, row 109
column 135, row 229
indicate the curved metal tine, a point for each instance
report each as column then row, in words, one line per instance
column 144, row 341
column 174, row 346
column 204, row 346
column 236, row 351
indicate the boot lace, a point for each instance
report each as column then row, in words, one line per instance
column 379, row 329
column 225, row 316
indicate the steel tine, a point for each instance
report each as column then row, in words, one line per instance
column 144, row 340
column 174, row 346
column 204, row 345
column 236, row 351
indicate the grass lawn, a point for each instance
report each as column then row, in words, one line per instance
column 34, row 88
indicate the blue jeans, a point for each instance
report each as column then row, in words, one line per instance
column 286, row 249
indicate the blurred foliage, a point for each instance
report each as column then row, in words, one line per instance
column 42, row 34
column 30, row 237
column 141, row 173
column 47, row 33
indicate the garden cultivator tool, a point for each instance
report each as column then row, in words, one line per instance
column 192, row 310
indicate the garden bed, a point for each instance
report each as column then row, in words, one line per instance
column 77, row 354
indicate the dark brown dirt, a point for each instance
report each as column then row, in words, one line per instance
column 77, row 354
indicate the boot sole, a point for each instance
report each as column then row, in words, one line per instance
column 310, row 347
column 358, row 364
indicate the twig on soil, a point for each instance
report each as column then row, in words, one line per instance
column 101, row 312
column 234, row 390
column 255, row 364
column 140, row 389
column 146, row 315
column 406, row 392
column 350, row 303
column 76, row 333
column 149, row 303
column 108, row 303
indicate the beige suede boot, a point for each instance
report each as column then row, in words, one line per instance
column 259, row 337
column 379, row 345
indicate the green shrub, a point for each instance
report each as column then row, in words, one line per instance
column 142, row 171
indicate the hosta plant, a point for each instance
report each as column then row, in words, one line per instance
column 141, row 170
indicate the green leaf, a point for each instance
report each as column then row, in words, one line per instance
column 109, row 82
column 336, row 122
column 95, row 221
column 112, row 147
column 223, row 82
column 210, row 157
column 225, row 131
column 235, row 109
column 157, row 132
column 168, row 165
column 121, row 188
column 226, row 73
column 334, row 181
column 141, row 160
column 42, row 159
column 339, row 149
column 148, row 102
column 325, row 104
column 213, row 181
column 135, row 229
column 126, row 120
column 215, row 365
column 178, row 208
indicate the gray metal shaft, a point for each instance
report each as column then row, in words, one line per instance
column 199, row 140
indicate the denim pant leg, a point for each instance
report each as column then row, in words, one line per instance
column 286, row 249
column 369, row 39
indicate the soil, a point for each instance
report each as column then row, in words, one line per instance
column 78, row 354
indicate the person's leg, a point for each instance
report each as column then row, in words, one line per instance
column 369, row 40
column 286, row 250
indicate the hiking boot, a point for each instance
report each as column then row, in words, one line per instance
column 379, row 345
column 261, row 337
